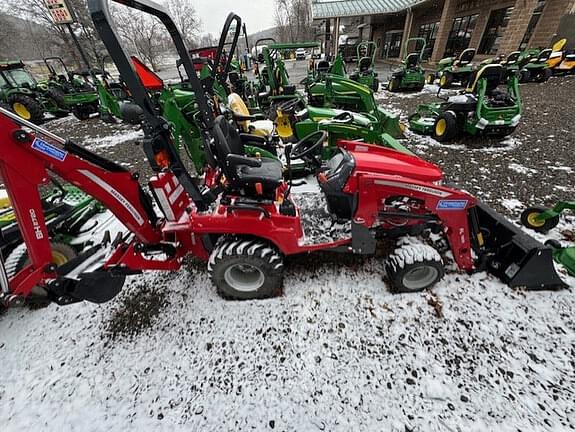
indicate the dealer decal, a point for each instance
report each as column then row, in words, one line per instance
column 49, row 150
column 451, row 204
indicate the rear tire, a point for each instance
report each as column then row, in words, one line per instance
column 445, row 127
column 246, row 269
column 430, row 79
column 544, row 75
column 393, row 85
column 524, row 76
column 57, row 97
column 413, row 268
column 33, row 111
column 528, row 219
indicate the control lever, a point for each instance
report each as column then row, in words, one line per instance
column 287, row 207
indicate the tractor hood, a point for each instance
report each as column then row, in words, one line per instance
column 375, row 159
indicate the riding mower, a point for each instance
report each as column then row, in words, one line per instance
column 533, row 66
column 20, row 91
column 560, row 61
column 246, row 220
column 72, row 91
column 365, row 74
column 543, row 220
column 451, row 70
column 481, row 109
column 411, row 75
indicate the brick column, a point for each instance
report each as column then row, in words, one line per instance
column 517, row 25
column 445, row 24
column 406, row 31
column 479, row 29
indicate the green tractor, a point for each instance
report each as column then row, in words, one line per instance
column 481, row 109
column 533, row 66
column 365, row 73
column 21, row 93
column 411, row 75
column 451, row 70
column 542, row 220
column 72, row 91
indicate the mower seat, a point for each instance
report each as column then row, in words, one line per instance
column 512, row 59
column 364, row 64
column 248, row 175
column 263, row 128
column 492, row 73
column 411, row 61
column 466, row 57
column 322, row 66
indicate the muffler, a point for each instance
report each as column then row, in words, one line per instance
column 512, row 255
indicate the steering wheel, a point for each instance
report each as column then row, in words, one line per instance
column 308, row 148
column 289, row 105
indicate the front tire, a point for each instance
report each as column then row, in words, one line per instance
column 430, row 79
column 246, row 269
column 413, row 268
column 27, row 108
column 445, row 127
column 529, row 219
column 446, row 80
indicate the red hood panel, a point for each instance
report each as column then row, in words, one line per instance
column 375, row 159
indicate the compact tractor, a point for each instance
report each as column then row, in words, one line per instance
column 20, row 92
column 72, row 91
column 411, row 75
column 451, row 70
column 244, row 219
column 483, row 108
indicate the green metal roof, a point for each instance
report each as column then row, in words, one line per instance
column 344, row 8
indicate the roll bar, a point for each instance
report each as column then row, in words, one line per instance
column 222, row 76
column 157, row 143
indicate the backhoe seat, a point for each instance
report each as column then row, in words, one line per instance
column 243, row 172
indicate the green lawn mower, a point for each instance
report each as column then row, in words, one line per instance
column 542, row 220
column 481, row 109
column 365, row 73
column 533, row 66
column 72, row 91
column 411, row 75
column 21, row 93
column 451, row 70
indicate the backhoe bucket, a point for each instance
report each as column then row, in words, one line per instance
column 515, row 257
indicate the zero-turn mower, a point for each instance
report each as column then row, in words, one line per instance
column 542, row 220
column 365, row 73
column 451, row 70
column 411, row 75
column 483, row 108
column 244, row 219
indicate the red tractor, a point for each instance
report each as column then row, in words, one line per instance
column 246, row 219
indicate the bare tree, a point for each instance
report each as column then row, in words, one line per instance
column 186, row 18
column 7, row 36
column 293, row 20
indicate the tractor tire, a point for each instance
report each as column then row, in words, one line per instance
column 18, row 259
column 528, row 220
column 132, row 113
column 430, row 79
column 246, row 269
column 413, row 267
column 445, row 127
column 57, row 97
column 544, row 75
column 27, row 108
column 80, row 113
column 393, row 85
column 524, row 76
column 446, row 80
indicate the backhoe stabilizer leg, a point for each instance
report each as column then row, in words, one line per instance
column 513, row 256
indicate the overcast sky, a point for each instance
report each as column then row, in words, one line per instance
column 257, row 14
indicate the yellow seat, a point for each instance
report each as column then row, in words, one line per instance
column 4, row 200
column 263, row 128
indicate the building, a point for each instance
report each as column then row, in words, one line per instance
column 448, row 26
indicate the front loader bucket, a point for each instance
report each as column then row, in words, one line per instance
column 515, row 257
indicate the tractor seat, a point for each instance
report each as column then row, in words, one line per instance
column 493, row 73
column 411, row 60
column 263, row 128
column 512, row 58
column 322, row 66
column 364, row 64
column 544, row 55
column 247, row 175
column 466, row 57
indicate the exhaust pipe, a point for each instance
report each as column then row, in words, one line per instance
column 512, row 255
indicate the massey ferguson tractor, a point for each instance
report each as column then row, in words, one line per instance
column 242, row 217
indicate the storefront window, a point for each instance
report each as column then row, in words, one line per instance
column 460, row 34
column 392, row 44
column 495, row 30
column 429, row 33
column 532, row 24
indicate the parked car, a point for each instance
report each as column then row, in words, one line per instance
column 300, row 54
